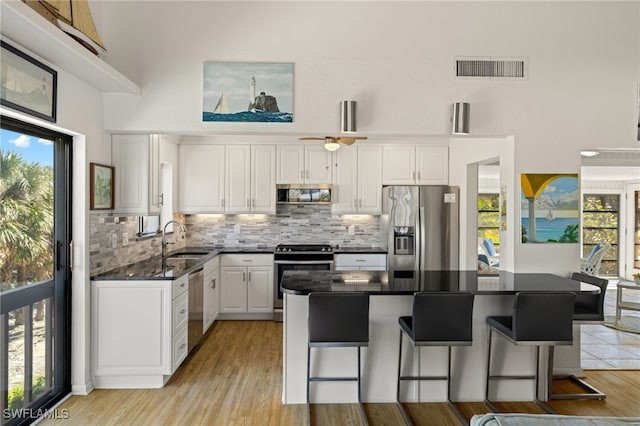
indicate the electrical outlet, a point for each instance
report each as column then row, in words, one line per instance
column 114, row 241
column 125, row 239
column 352, row 229
column 236, row 229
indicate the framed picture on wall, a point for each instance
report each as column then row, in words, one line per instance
column 26, row 84
column 247, row 92
column 102, row 187
column 550, row 208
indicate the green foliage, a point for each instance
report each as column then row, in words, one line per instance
column 26, row 220
column 16, row 394
column 571, row 234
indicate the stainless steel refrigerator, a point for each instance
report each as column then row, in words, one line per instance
column 422, row 227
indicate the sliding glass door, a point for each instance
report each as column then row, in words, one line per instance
column 35, row 277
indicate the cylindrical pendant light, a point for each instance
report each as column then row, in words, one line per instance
column 460, row 118
column 348, row 117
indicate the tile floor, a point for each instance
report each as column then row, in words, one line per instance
column 607, row 348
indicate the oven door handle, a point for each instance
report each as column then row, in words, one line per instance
column 302, row 262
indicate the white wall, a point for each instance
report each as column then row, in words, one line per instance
column 396, row 60
column 79, row 114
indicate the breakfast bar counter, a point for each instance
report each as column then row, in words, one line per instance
column 391, row 297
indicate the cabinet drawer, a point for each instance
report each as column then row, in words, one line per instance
column 247, row 260
column 180, row 286
column 358, row 261
column 211, row 265
column 180, row 312
column 179, row 349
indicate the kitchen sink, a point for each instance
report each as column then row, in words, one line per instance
column 187, row 255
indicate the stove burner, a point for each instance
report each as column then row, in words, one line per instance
column 304, row 248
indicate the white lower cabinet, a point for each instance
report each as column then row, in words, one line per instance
column 138, row 331
column 360, row 262
column 211, row 293
column 246, row 290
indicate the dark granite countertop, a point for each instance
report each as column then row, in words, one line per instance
column 155, row 268
column 380, row 283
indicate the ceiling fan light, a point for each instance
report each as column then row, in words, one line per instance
column 348, row 117
column 331, row 145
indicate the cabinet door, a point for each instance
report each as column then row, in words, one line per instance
column 130, row 157
column 263, row 184
column 432, row 165
column 154, row 174
column 260, row 289
column 398, row 165
column 211, row 300
column 318, row 162
column 201, row 178
column 238, row 182
column 233, row 291
column 290, row 164
column 345, row 180
column 168, row 189
column 370, row 179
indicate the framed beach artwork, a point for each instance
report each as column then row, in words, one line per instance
column 26, row 84
column 247, row 92
column 550, row 206
column 102, row 187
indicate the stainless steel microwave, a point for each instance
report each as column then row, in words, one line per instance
column 304, row 194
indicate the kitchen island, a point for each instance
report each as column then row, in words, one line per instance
column 391, row 298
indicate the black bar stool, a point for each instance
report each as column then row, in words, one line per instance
column 438, row 319
column 538, row 319
column 337, row 320
column 589, row 308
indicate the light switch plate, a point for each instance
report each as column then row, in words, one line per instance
column 114, row 241
column 352, row 229
column 125, row 239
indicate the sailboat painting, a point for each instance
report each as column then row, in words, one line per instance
column 550, row 208
column 247, row 92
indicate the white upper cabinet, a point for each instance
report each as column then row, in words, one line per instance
column 415, row 165
column 136, row 159
column 250, row 179
column 202, row 183
column 357, row 180
column 263, row 179
column 304, row 163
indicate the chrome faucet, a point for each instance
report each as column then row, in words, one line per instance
column 164, row 236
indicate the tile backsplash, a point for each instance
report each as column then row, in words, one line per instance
column 292, row 224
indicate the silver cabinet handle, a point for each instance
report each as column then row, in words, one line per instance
column 213, row 284
column 355, row 202
column 161, row 199
column 360, row 205
column 248, row 203
column 249, row 276
column 222, row 202
column 182, row 285
column 183, row 311
column 182, row 346
column 244, row 276
column 361, row 260
column 253, row 202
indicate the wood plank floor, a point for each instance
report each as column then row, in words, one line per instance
column 235, row 378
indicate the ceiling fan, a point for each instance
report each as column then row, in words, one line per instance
column 332, row 143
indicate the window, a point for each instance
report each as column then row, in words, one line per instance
column 489, row 218
column 600, row 224
column 35, row 278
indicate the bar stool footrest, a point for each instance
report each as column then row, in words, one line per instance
column 593, row 393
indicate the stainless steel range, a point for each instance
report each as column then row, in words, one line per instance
column 298, row 257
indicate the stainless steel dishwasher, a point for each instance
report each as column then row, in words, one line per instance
column 196, row 283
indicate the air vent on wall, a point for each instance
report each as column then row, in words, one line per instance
column 491, row 67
